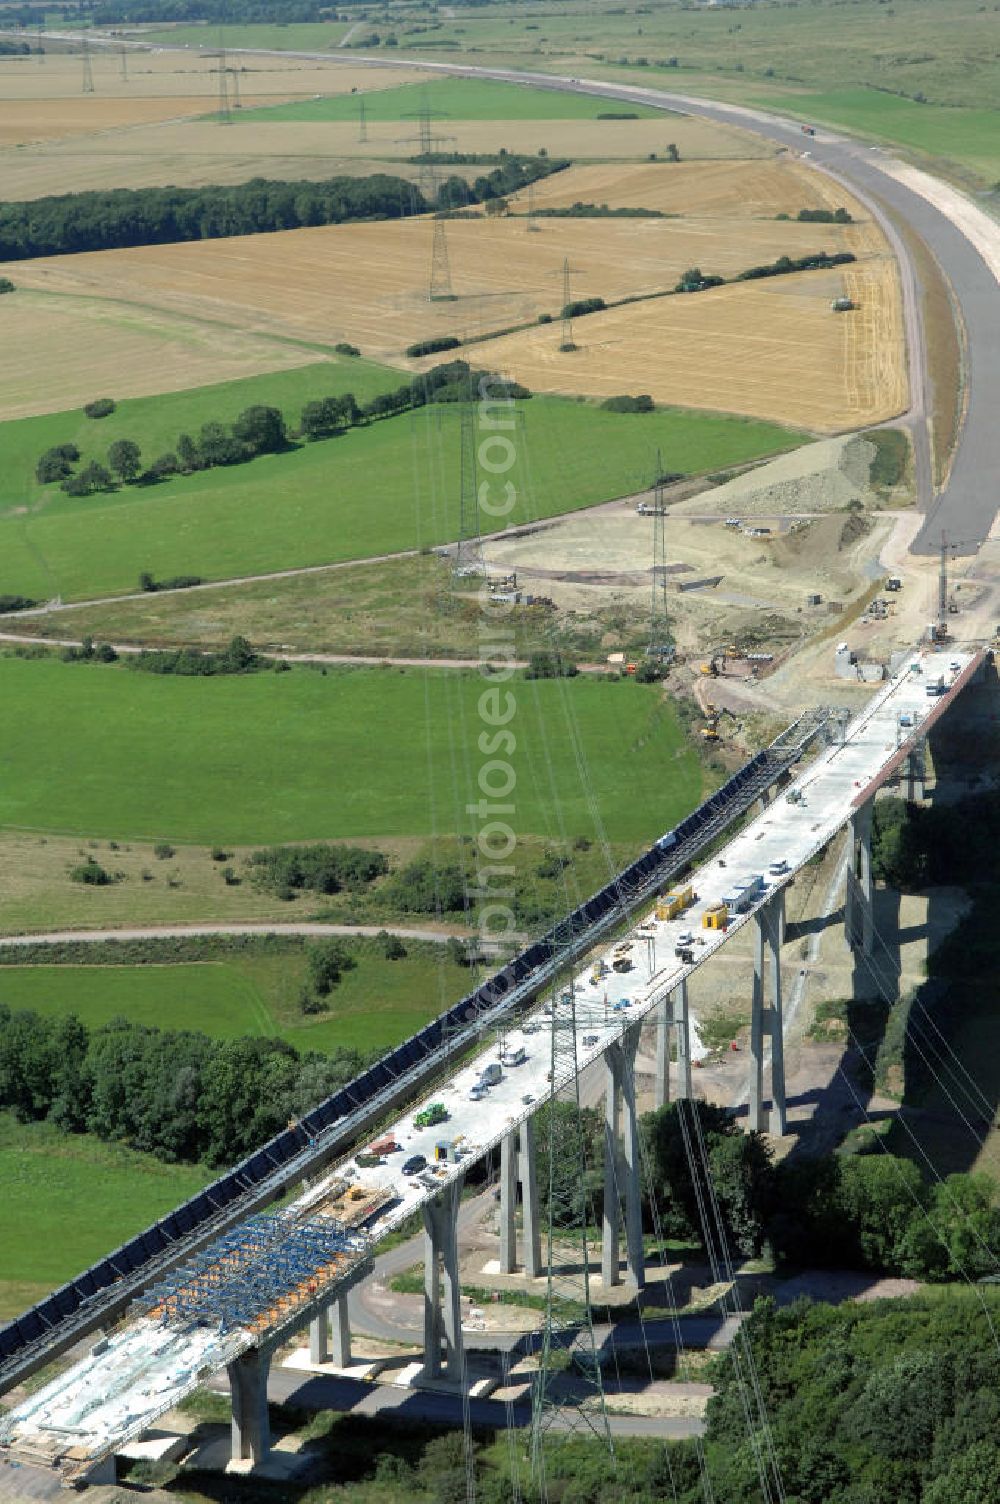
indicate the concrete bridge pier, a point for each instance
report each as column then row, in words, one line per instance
column 441, row 1269
column 333, row 1324
column 672, row 1012
column 859, row 895
column 517, row 1167
column 621, row 1164
column 766, row 1021
column 913, row 774
column 251, row 1429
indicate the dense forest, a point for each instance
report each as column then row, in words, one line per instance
column 178, row 1095
column 115, row 218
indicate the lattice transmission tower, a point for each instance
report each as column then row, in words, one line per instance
column 88, row 67
column 566, row 319
column 469, row 558
column 362, row 119
column 225, row 118
column 429, row 182
column 660, row 645
column 568, row 1398
column 124, row 62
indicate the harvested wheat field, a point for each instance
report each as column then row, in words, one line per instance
column 60, row 353
column 108, row 161
column 735, row 189
column 183, row 74
column 368, row 283
column 44, row 101
column 771, row 349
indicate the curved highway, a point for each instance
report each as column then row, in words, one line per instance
column 965, row 508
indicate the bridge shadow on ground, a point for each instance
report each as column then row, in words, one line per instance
column 920, row 1063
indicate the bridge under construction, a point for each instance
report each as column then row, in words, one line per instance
column 221, row 1284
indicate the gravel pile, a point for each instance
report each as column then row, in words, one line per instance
column 820, row 477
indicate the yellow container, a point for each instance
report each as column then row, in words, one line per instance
column 715, row 918
column 669, row 905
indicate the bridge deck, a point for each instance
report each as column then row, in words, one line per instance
column 117, row 1392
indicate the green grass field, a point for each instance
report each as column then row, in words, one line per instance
column 381, row 489
column 68, row 1199
column 156, row 422
column 971, row 137
column 904, row 60
column 455, row 98
column 373, row 1007
column 279, row 757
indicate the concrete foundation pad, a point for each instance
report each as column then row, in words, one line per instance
column 278, row 1466
column 365, row 1369
column 155, row 1446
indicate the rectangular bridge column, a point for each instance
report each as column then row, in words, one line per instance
column 913, row 774
column 621, row 1165
column 682, row 1022
column 508, row 1203
column 441, row 1245
column 334, row 1321
column 769, row 927
column 672, row 1011
column 859, row 893
column 517, row 1167
column 251, row 1430
column 528, row 1174
column 661, row 1094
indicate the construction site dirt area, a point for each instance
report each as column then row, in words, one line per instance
column 721, row 581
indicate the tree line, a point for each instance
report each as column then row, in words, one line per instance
column 835, row 1211
column 260, row 429
column 109, row 219
column 176, row 1094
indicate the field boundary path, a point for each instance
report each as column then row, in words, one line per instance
column 194, row 931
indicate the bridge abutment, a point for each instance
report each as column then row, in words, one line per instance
column 766, row 1019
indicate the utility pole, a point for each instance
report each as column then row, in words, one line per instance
column 124, row 65
column 362, row 119
column 236, row 89
column 88, row 69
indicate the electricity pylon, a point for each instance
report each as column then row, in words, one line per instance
column 469, row 559
column 362, row 119
column 88, row 67
column 659, row 624
column 568, row 1396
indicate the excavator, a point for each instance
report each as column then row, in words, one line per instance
column 713, row 715
column 718, row 660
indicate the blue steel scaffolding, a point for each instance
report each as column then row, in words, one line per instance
column 240, row 1278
